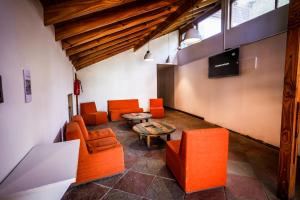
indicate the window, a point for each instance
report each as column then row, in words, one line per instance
column 245, row 10
column 282, row 3
column 210, row 26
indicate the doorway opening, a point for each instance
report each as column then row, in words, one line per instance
column 70, row 106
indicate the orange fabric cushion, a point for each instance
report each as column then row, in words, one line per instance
column 103, row 143
column 201, row 160
column 90, row 115
column 78, row 119
column 95, row 118
column 91, row 135
column 105, row 161
column 124, row 103
column 156, row 102
column 86, row 108
column 157, row 112
column 118, row 107
column 101, row 133
column 173, row 159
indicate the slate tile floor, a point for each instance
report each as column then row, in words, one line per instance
column 252, row 169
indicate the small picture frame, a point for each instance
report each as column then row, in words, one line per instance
column 27, row 85
column 1, row 91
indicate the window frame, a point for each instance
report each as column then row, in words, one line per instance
column 207, row 18
column 230, row 13
column 227, row 20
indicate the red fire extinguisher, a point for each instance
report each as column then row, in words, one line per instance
column 77, row 86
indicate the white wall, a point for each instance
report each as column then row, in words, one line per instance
column 27, row 44
column 126, row 75
column 251, row 103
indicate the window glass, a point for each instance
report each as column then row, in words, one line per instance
column 210, row 26
column 283, row 2
column 245, row 10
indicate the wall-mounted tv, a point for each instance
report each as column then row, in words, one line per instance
column 224, row 64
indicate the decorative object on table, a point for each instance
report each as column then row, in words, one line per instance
column 27, row 85
column 134, row 118
column 154, row 130
column 1, row 91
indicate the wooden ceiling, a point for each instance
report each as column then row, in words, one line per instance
column 93, row 30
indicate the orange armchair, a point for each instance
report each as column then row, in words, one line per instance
column 157, row 108
column 199, row 159
column 90, row 115
column 98, row 158
column 92, row 135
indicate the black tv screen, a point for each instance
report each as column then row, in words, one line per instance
column 224, row 64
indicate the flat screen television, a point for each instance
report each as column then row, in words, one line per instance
column 224, row 64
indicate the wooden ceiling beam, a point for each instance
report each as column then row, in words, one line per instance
column 105, row 56
column 114, row 36
column 64, row 11
column 106, row 45
column 206, row 14
column 101, row 32
column 109, row 43
column 102, row 19
column 185, row 6
column 189, row 16
column 97, row 54
column 205, row 3
column 195, row 12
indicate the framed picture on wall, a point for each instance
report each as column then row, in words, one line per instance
column 27, row 85
column 1, row 91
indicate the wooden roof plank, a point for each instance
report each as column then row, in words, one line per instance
column 102, row 52
column 99, row 47
column 206, row 14
column 104, row 46
column 105, row 56
column 101, row 32
column 186, row 5
column 117, row 35
column 102, row 19
column 64, row 11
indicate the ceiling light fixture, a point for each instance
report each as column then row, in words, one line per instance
column 148, row 55
column 192, row 35
column 168, row 61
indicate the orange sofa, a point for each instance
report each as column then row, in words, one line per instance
column 116, row 108
column 199, row 159
column 157, row 108
column 90, row 114
column 98, row 158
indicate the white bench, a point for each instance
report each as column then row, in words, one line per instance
column 45, row 173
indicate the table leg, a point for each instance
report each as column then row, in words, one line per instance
column 168, row 137
column 148, row 141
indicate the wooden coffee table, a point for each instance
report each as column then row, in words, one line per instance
column 133, row 117
column 154, row 129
